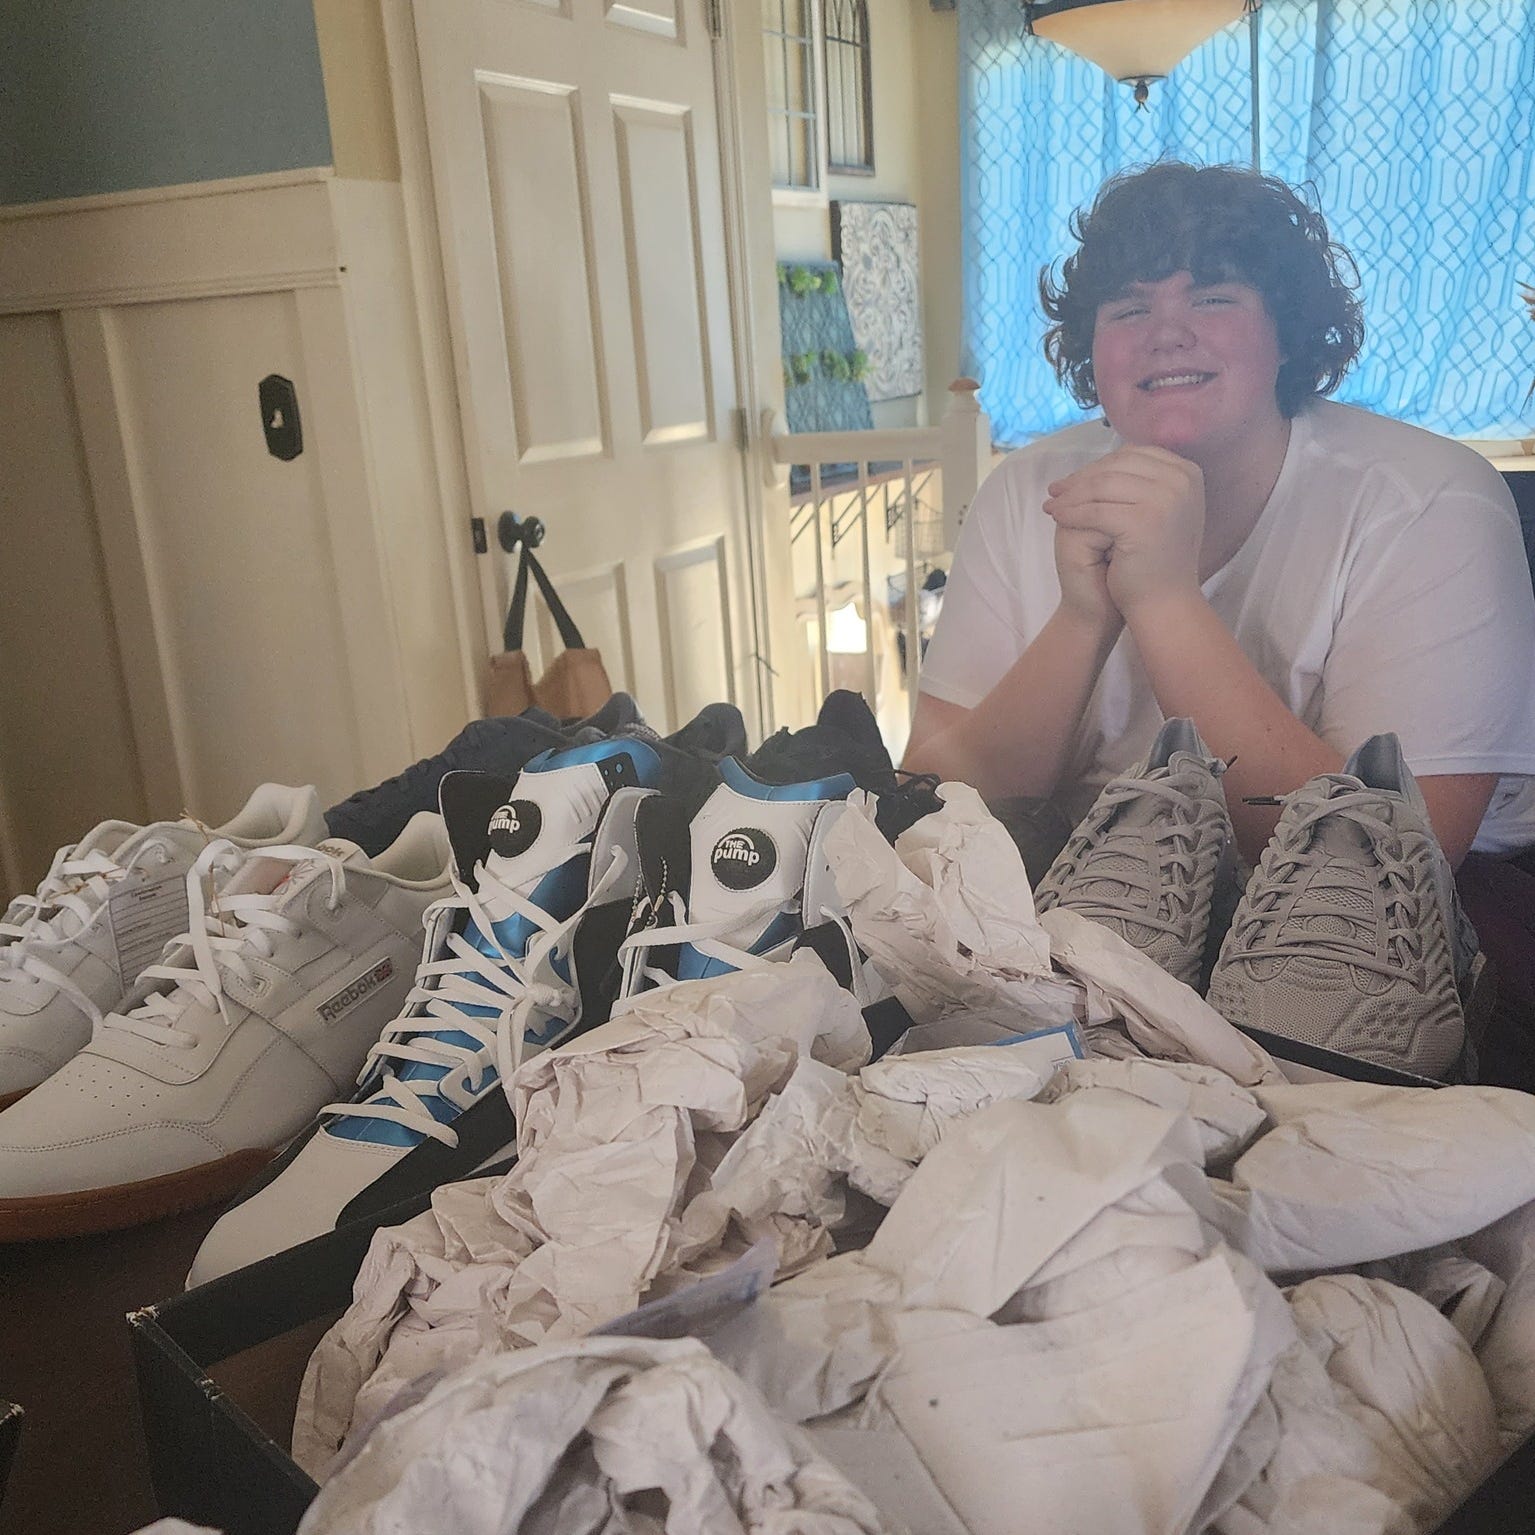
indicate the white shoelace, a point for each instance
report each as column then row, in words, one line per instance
column 221, row 936
column 470, row 979
column 66, row 901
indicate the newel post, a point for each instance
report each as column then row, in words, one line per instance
column 966, row 436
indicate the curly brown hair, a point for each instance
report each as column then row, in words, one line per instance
column 1220, row 223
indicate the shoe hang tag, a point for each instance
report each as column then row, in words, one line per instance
column 704, row 1307
column 145, row 915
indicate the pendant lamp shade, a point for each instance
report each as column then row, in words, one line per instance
column 1134, row 40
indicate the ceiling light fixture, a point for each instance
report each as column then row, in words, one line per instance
column 1134, row 41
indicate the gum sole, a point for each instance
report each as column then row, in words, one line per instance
column 50, row 1216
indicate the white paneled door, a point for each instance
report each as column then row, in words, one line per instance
column 576, row 164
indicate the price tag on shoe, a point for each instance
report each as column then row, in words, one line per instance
column 145, row 914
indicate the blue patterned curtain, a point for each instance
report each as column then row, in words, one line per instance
column 1414, row 120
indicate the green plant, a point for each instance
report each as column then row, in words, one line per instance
column 835, row 365
column 858, row 364
column 802, row 366
column 829, row 283
column 802, row 281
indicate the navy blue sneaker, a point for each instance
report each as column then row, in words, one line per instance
column 373, row 818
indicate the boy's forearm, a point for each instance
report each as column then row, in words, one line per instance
column 1197, row 669
column 1016, row 740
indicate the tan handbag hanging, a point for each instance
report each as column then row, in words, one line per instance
column 575, row 683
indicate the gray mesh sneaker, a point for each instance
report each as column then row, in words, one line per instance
column 1350, row 935
column 1147, row 859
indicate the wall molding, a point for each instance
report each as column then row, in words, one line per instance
column 251, row 234
column 176, row 192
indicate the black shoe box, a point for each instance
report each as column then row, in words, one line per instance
column 10, row 1431
column 210, row 1461
column 1301, row 1062
column 212, row 1464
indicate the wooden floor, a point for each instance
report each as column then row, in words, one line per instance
column 65, row 1357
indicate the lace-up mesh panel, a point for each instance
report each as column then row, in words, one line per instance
column 1341, row 940
column 1144, row 860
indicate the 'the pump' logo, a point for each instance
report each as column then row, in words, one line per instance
column 514, row 828
column 742, row 859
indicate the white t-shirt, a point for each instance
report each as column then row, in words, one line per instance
column 1384, row 587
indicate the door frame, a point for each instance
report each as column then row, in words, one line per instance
column 740, row 102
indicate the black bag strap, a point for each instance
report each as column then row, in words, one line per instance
column 517, row 613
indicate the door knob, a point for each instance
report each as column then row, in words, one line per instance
column 514, row 532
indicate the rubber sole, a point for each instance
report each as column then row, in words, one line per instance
column 86, row 1212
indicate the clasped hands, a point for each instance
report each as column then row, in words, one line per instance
column 1128, row 530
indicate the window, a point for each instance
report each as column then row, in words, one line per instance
column 1439, row 220
column 793, row 128
column 849, row 104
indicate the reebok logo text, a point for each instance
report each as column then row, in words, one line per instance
column 349, row 996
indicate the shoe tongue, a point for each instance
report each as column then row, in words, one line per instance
column 512, row 826
column 259, row 875
column 1339, row 836
column 1145, row 809
column 544, row 813
column 747, row 854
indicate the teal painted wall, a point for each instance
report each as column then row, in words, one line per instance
column 116, row 95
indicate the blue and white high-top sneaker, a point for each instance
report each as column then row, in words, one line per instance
column 743, row 881
column 521, row 956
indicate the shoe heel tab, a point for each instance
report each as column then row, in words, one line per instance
column 849, row 712
column 420, row 855
column 1176, row 735
column 1379, row 764
column 278, row 812
column 717, row 730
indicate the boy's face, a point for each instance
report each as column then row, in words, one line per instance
column 1189, row 368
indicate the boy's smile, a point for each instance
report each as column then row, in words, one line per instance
column 1188, row 367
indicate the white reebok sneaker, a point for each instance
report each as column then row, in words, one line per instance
column 262, row 1013
column 106, row 909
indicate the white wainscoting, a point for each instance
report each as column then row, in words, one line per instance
column 181, row 614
